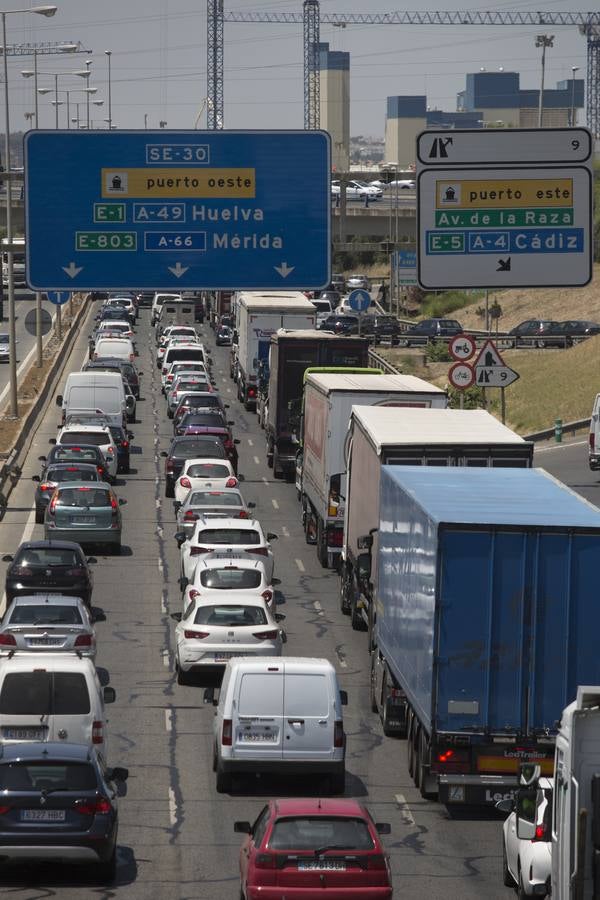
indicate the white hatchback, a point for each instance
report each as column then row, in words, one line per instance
column 228, row 572
column 212, row 631
column 214, row 474
column 99, row 435
column 221, row 534
column 526, row 864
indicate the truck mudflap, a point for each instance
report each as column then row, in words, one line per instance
column 476, row 790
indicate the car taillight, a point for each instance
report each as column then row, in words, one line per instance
column 47, row 486
column 338, row 734
column 227, row 733
column 261, row 551
column 243, row 514
column 168, row 465
column 196, row 634
column 75, row 573
column 4, row 810
column 196, row 551
column 193, row 594
column 99, row 806
column 376, row 861
column 231, row 482
column 540, row 833
column 84, row 640
column 97, row 732
column 251, row 392
column 7, row 640
column 100, row 470
column 125, row 444
column 190, row 516
column 185, row 482
column 265, row 861
column 266, row 635
column 114, row 506
column 52, row 506
column 267, row 596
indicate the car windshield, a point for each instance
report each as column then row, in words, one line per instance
column 230, row 579
column 230, row 615
column 47, row 776
column 215, row 498
column 228, row 536
column 45, row 614
column 83, row 497
column 208, row 470
column 312, row 833
column 60, row 475
column 42, row 693
column 43, row 557
column 99, row 438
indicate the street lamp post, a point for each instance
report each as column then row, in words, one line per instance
column 12, row 331
column 109, row 54
column 543, row 41
column 572, row 116
column 88, row 63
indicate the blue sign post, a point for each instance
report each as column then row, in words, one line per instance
column 359, row 300
column 177, row 210
column 59, row 298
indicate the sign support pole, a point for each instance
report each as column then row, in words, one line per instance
column 503, row 405
column 38, row 328
column 59, row 323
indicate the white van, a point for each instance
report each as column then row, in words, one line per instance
column 94, row 391
column 176, row 312
column 121, row 348
column 279, row 716
column 157, row 302
column 192, row 352
column 56, row 697
column 594, row 436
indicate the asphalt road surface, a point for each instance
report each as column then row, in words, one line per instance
column 176, row 835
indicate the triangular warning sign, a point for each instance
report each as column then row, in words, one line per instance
column 488, row 356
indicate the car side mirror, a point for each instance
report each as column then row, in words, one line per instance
column 91, row 560
column 140, row 374
column 52, row 441
column 236, row 441
column 242, row 827
column 226, row 405
column 251, row 505
column 35, row 478
column 383, row 827
column 110, row 695
column 271, row 536
column 275, row 581
column 42, row 458
column 59, row 400
column 344, row 698
column 279, row 617
column 240, row 477
column 526, row 813
column 505, row 806
column 209, row 696
column 176, row 616
column 180, row 537
column 122, row 502
column 230, row 422
column 7, row 557
column 130, row 435
column 164, row 453
column 119, row 773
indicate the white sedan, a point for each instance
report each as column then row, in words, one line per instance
column 211, row 474
column 227, row 572
column 526, row 864
column 221, row 534
column 403, row 184
column 357, row 190
column 212, row 631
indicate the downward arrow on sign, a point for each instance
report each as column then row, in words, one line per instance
column 178, row 270
column 284, row 270
column 72, row 270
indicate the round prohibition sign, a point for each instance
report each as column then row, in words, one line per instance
column 462, row 347
column 461, row 376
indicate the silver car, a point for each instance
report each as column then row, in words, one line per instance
column 47, row 622
column 86, row 514
column 211, row 503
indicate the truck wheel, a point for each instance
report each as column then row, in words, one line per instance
column 373, row 686
column 344, row 601
column 321, row 544
column 410, row 748
column 270, row 453
column 355, row 617
column 277, row 470
column 423, row 747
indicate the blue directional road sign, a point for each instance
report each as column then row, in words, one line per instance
column 177, row 210
column 58, row 297
column 359, row 300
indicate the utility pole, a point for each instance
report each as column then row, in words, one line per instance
column 543, row 41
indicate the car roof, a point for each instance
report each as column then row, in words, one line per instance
column 48, row 599
column 241, row 558
column 318, row 806
column 74, row 427
column 229, row 596
column 72, row 464
column 54, row 662
column 47, row 545
column 46, row 750
column 85, row 485
column 229, row 522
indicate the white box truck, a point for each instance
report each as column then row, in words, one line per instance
column 381, row 436
column 328, row 400
column 259, row 316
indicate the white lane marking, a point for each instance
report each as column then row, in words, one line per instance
column 172, row 806
column 256, row 460
column 160, row 566
column 560, row 446
column 165, row 658
column 163, row 601
column 264, row 479
column 168, row 719
column 157, row 501
column 284, row 531
column 250, row 442
column 22, row 367
column 27, row 532
column 317, row 606
column 228, row 390
column 407, row 816
column 156, row 479
column 300, row 565
column 275, row 504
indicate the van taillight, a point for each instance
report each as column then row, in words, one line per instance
column 338, row 734
column 227, row 732
column 97, row 732
column 592, row 441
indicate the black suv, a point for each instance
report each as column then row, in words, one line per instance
column 115, row 364
column 51, row 567
column 428, row 330
column 188, row 447
column 57, row 797
column 386, row 328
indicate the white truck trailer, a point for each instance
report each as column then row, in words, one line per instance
column 259, row 315
column 328, row 401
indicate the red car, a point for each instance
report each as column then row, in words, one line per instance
column 309, row 847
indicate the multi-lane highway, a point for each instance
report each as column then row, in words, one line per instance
column 176, row 835
column 24, row 303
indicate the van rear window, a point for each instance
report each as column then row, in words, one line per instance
column 261, row 694
column 44, row 693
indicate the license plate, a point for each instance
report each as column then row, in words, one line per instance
column 23, row 734
column 83, row 520
column 221, row 657
column 251, row 737
column 44, row 642
column 322, row 865
column 43, row 815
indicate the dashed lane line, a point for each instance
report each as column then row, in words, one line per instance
column 256, row 460
column 407, row 816
column 275, row 503
column 169, row 719
column 300, row 565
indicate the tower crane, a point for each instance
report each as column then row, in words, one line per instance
column 310, row 17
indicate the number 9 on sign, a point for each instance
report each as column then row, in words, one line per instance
column 461, row 376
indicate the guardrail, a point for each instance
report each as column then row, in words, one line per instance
column 378, row 362
column 567, row 427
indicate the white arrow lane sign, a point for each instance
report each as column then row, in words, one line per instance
column 284, row 270
column 72, row 270
column 178, row 270
column 495, row 376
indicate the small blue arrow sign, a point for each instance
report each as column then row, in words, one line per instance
column 58, row 297
column 359, row 300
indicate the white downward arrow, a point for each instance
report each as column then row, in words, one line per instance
column 72, row 270
column 284, row 270
column 178, row 270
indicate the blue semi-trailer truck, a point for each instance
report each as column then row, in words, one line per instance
column 487, row 620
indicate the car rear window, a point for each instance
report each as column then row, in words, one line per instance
column 211, row 447
column 178, row 353
column 44, row 693
column 55, row 776
column 204, row 419
column 228, row 536
column 200, row 400
column 230, row 579
column 71, row 474
column 312, row 833
column 207, row 470
column 82, row 453
column 80, row 497
column 230, row 615
column 41, row 556
column 98, row 438
column 190, row 385
column 215, row 498
column 45, row 614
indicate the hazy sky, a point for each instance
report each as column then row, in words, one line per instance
column 159, row 60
